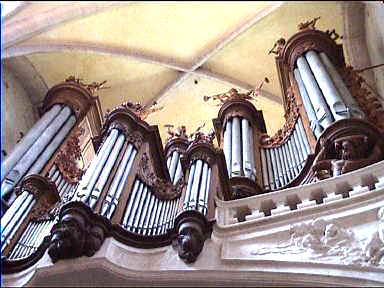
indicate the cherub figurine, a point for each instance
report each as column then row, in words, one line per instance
column 181, row 132
column 308, row 24
column 278, row 47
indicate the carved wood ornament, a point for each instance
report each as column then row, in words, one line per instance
column 163, row 189
column 67, row 159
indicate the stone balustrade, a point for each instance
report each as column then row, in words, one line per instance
column 310, row 197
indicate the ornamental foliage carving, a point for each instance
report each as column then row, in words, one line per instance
column 292, row 114
column 163, row 189
column 140, row 110
column 68, row 157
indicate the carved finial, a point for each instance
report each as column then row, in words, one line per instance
column 140, row 110
column 278, row 47
column 308, row 24
column 233, row 94
column 200, row 137
column 333, row 35
column 92, row 87
column 181, row 132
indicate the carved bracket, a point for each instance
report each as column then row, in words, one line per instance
column 192, row 228
column 79, row 232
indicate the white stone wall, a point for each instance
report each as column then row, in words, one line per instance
column 17, row 109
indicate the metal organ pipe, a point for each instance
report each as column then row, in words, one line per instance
column 236, row 147
column 330, row 92
column 202, row 190
column 264, row 169
column 228, row 146
column 29, row 139
column 323, row 114
column 96, row 192
column 352, row 106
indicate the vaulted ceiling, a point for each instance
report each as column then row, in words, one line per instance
column 170, row 52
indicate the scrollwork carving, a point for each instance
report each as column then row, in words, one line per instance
column 141, row 111
column 310, row 24
column 67, row 159
column 163, row 189
column 282, row 135
column 92, row 88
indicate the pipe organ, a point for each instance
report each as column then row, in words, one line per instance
column 147, row 196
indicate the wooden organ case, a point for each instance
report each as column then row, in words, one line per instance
column 145, row 196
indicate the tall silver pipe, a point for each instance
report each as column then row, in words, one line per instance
column 264, row 169
column 131, row 200
column 270, row 171
column 29, row 139
column 252, row 153
column 18, row 218
column 174, row 162
column 163, row 217
column 96, row 192
column 298, row 148
column 195, row 186
column 170, row 215
column 152, row 221
column 323, row 114
column 55, row 175
column 330, row 92
column 228, row 146
column 281, row 165
column 236, row 147
column 189, row 185
column 246, row 155
column 52, row 147
column 121, row 186
column 202, row 190
column 284, row 164
column 169, row 161
column 9, row 214
column 207, row 189
column 117, row 179
column 32, row 239
column 144, row 213
column 63, row 189
column 61, row 184
column 295, row 153
column 280, row 171
column 22, row 239
column 52, row 171
column 34, row 151
column 86, row 186
column 149, row 213
column 304, row 136
column 59, row 180
column 22, row 252
column 352, row 106
column 158, row 213
column 135, row 206
column 139, row 211
column 274, row 168
column 300, row 139
column 314, row 123
column 179, row 173
column 290, row 163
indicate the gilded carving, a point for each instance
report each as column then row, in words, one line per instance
column 138, row 109
column 68, row 157
column 282, row 135
column 163, row 189
column 310, row 24
column 233, row 94
column 92, row 88
column 278, row 47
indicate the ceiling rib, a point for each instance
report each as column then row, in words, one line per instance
column 17, row 30
column 228, row 37
column 27, row 49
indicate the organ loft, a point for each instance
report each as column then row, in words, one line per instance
column 139, row 194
